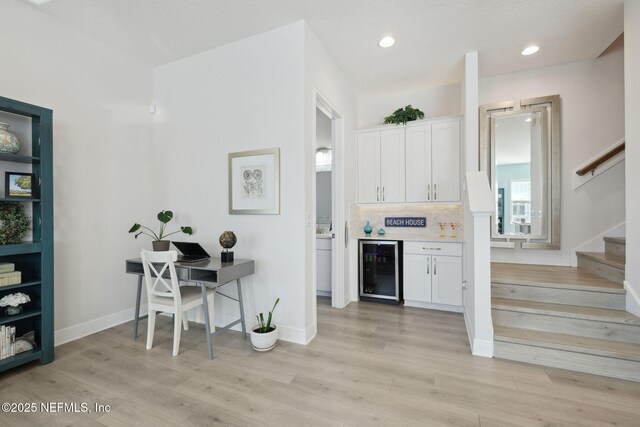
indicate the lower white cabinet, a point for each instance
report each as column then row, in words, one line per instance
column 432, row 274
column 323, row 265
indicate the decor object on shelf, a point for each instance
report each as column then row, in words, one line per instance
column 18, row 184
column 265, row 334
column 443, row 226
column 14, row 222
column 367, row 229
column 404, row 115
column 453, row 230
column 381, row 231
column 227, row 240
column 159, row 243
column 14, row 302
column 9, row 143
column 254, row 182
column 8, row 275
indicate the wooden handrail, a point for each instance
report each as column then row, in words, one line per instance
column 600, row 160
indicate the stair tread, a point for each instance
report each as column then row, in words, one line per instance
column 604, row 258
column 562, row 310
column 595, row 346
column 619, row 240
column 552, row 276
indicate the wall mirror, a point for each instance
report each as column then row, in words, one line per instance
column 520, row 151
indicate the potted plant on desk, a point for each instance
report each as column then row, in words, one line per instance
column 159, row 243
column 264, row 335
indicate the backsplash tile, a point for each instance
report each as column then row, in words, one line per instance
column 435, row 214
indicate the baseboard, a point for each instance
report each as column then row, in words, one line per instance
column 482, row 348
column 309, row 334
column 72, row 333
column 633, row 300
column 433, row 306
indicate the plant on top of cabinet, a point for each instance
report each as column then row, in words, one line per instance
column 159, row 242
column 404, row 115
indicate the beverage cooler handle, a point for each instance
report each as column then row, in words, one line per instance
column 346, row 234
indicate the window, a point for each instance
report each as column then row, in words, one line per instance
column 323, row 159
column 521, row 202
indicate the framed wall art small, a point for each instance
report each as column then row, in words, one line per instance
column 254, row 182
column 18, row 184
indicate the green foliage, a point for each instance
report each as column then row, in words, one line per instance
column 14, row 223
column 265, row 327
column 164, row 217
column 24, row 182
column 404, row 115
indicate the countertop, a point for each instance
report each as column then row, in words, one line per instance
column 408, row 238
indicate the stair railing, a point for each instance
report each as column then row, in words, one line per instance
column 591, row 167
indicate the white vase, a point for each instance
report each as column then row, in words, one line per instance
column 9, row 143
column 265, row 341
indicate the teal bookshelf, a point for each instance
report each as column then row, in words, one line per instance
column 34, row 258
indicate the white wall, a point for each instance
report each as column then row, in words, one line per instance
column 592, row 98
column 323, row 76
column 374, row 106
column 632, row 130
column 247, row 95
column 101, row 141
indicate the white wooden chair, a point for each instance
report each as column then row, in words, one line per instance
column 165, row 294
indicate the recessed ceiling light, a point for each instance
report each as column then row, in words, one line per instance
column 386, row 41
column 39, row 2
column 528, row 120
column 530, row 50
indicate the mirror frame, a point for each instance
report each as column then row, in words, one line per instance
column 487, row 137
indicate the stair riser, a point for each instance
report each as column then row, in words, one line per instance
column 602, row 270
column 559, row 296
column 613, row 248
column 566, row 325
column 591, row 364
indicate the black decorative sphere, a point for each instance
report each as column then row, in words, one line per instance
column 228, row 239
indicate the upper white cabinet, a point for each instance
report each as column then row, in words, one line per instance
column 419, row 162
column 381, row 166
column 433, row 161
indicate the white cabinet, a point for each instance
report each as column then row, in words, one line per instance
column 433, row 161
column 432, row 274
column 323, row 266
column 381, row 166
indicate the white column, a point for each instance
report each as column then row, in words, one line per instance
column 632, row 148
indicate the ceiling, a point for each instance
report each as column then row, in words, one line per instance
column 432, row 36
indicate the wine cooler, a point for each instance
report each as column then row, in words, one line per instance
column 380, row 275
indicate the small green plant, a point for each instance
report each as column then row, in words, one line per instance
column 264, row 327
column 164, row 217
column 404, row 115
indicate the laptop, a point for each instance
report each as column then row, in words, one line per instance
column 191, row 252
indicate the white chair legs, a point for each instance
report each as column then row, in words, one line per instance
column 177, row 329
column 151, row 327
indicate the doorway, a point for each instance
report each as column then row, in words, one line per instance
column 330, row 226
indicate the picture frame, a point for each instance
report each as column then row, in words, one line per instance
column 254, row 182
column 20, row 185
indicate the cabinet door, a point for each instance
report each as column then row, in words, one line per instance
column 445, row 151
column 323, row 266
column 369, row 167
column 417, row 277
column 447, row 280
column 418, row 163
column 392, row 165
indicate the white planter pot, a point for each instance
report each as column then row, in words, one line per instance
column 266, row 341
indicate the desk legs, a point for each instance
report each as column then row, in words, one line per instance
column 207, row 324
column 138, row 296
column 244, row 327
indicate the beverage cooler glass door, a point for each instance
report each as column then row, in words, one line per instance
column 379, row 269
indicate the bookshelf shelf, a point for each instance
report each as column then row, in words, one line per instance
column 34, row 259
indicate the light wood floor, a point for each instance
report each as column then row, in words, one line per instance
column 370, row 364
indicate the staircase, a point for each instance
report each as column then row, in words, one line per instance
column 570, row 318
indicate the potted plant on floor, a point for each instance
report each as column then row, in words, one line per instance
column 159, row 243
column 265, row 334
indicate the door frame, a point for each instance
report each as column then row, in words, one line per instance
column 338, row 244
